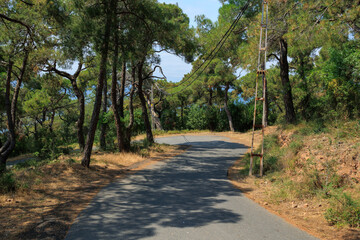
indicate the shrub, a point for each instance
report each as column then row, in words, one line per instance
column 273, row 154
column 197, row 118
column 7, row 182
column 344, row 211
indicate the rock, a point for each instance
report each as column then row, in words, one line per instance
column 9, row 200
column 306, row 205
column 320, row 205
column 266, row 203
column 294, row 205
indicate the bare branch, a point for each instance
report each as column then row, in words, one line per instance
column 274, row 55
column 16, row 21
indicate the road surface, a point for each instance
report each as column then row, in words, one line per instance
column 186, row 197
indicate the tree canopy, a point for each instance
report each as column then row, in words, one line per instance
column 69, row 68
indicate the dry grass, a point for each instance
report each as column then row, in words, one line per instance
column 50, row 197
column 304, row 213
column 120, row 159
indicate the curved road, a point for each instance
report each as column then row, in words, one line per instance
column 187, row 197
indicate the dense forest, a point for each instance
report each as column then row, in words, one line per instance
column 85, row 72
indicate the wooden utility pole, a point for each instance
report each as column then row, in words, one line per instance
column 261, row 73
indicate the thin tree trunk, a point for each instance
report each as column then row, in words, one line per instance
column 110, row 7
column 18, row 86
column 210, row 103
column 127, row 142
column 81, row 101
column 52, row 118
column 114, row 97
column 122, row 89
column 284, row 74
column 149, row 134
column 104, row 124
column 80, row 122
column 9, row 146
column 212, row 124
column 231, row 125
column 155, row 116
column 306, row 100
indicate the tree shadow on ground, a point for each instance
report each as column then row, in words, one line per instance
column 187, row 191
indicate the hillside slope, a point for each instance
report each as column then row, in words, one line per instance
column 312, row 178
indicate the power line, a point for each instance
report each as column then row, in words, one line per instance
column 213, row 53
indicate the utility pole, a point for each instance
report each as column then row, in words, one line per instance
column 261, row 73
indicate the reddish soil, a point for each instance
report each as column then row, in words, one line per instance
column 307, row 215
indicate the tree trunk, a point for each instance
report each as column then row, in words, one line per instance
column 155, row 116
column 231, row 125
column 149, row 134
column 290, row 116
column 114, row 96
column 52, row 118
column 18, row 86
column 104, row 124
column 9, row 146
column 210, row 103
column 212, row 121
column 305, row 102
column 81, row 101
column 110, row 7
column 122, row 89
column 131, row 112
column 80, row 122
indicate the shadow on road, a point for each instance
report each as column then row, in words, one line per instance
column 187, row 191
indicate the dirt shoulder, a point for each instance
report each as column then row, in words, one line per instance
column 307, row 214
column 51, row 196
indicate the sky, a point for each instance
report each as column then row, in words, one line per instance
column 174, row 67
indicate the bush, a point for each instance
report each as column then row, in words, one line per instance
column 315, row 127
column 31, row 163
column 7, row 182
column 197, row 118
column 273, row 154
column 344, row 211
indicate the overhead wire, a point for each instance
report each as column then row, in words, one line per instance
column 213, row 53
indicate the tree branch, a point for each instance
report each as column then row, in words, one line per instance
column 16, row 21
column 273, row 55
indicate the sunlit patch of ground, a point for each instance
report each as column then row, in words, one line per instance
column 306, row 214
column 49, row 197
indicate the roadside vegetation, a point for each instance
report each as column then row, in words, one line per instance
column 45, row 196
column 81, row 81
column 314, row 162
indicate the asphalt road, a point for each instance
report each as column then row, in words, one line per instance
column 186, row 197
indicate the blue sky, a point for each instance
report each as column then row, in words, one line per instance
column 174, row 67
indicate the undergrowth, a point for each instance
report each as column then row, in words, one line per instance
column 7, row 183
column 293, row 179
column 344, row 211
